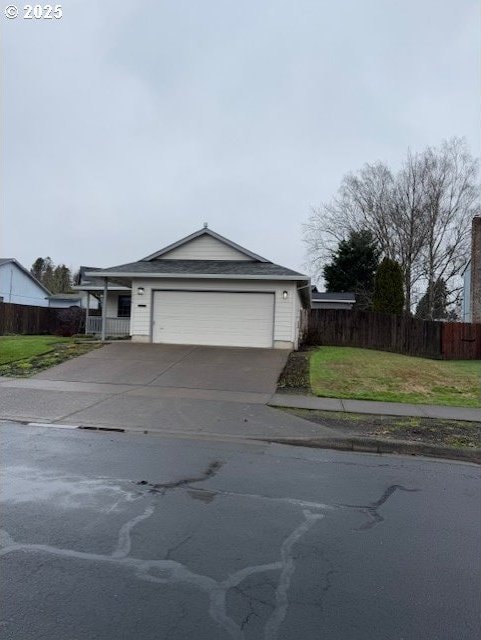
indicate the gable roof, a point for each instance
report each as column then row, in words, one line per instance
column 205, row 231
column 25, row 271
column 91, row 283
column 82, row 279
column 318, row 296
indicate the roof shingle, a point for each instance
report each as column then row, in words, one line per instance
column 200, row 267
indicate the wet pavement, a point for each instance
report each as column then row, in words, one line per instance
column 108, row 536
column 170, row 365
column 161, row 388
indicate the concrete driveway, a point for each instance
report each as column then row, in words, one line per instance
column 183, row 366
column 159, row 388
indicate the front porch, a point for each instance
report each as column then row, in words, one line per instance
column 112, row 317
column 114, row 327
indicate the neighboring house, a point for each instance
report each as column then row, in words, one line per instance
column 206, row 290
column 66, row 300
column 471, row 304
column 336, row 300
column 18, row 286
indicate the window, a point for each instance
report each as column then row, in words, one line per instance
column 123, row 306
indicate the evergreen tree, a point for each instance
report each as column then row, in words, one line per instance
column 62, row 279
column 353, row 266
column 433, row 304
column 37, row 268
column 57, row 279
column 48, row 279
column 76, row 277
column 388, row 288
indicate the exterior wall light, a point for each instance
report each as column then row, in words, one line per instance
column 140, row 291
column 284, row 295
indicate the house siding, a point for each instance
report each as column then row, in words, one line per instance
column 16, row 287
column 297, row 318
column 112, row 298
column 285, row 329
column 112, row 302
column 466, row 303
column 93, row 302
column 205, row 248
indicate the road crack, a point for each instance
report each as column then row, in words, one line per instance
column 169, row 571
column 161, row 487
column 371, row 509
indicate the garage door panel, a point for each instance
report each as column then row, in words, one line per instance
column 214, row 318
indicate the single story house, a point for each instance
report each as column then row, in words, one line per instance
column 325, row 300
column 203, row 289
column 18, row 286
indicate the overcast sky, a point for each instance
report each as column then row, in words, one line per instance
column 129, row 123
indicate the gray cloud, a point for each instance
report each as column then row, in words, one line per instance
column 129, row 124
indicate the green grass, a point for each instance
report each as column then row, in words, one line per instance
column 14, row 348
column 365, row 374
column 23, row 356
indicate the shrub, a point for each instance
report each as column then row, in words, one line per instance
column 388, row 288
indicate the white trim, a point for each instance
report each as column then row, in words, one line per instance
column 213, row 276
column 343, row 300
column 94, row 288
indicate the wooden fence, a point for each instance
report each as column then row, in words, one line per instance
column 29, row 320
column 400, row 334
column 461, row 341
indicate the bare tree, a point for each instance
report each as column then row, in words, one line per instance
column 361, row 204
column 419, row 217
column 391, row 207
column 408, row 221
column 452, row 199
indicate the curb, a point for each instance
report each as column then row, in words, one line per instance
column 354, row 444
column 364, row 407
column 376, row 445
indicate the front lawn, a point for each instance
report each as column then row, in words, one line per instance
column 365, row 374
column 22, row 356
column 14, row 348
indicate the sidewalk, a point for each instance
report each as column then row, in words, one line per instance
column 376, row 408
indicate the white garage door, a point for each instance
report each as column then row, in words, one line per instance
column 214, row 318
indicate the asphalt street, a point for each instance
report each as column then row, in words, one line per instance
column 123, row 536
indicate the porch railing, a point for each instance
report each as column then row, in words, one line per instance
column 114, row 326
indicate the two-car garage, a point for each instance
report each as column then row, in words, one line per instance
column 219, row 318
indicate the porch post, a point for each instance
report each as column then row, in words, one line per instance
column 104, row 309
column 87, row 311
